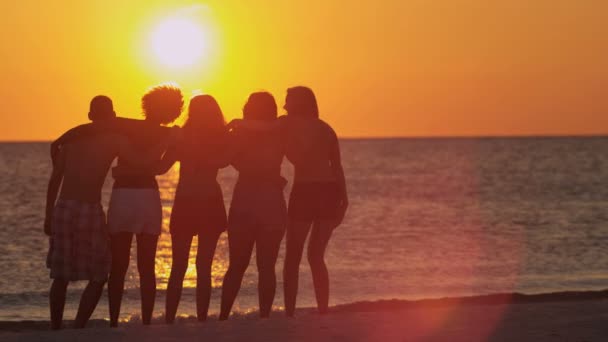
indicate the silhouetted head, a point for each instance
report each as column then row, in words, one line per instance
column 101, row 108
column 260, row 106
column 301, row 101
column 205, row 116
column 162, row 104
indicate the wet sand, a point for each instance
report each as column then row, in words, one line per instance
column 571, row 316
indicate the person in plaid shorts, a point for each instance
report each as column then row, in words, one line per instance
column 76, row 224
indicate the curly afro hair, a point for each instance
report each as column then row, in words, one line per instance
column 163, row 103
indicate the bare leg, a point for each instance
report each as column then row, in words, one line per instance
column 180, row 250
column 120, row 243
column 296, row 237
column 146, row 254
column 207, row 242
column 57, row 302
column 267, row 251
column 88, row 302
column 319, row 237
column 240, row 247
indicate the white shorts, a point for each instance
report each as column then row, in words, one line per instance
column 135, row 211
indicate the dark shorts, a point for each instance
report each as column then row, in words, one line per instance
column 311, row 201
column 191, row 216
column 258, row 204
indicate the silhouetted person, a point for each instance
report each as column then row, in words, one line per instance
column 318, row 199
column 258, row 210
column 135, row 207
column 198, row 208
column 76, row 223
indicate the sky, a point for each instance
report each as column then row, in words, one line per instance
column 379, row 68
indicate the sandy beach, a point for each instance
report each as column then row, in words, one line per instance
column 563, row 317
column 414, row 170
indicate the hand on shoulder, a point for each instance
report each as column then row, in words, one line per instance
column 176, row 135
column 234, row 124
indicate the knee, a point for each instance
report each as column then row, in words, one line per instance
column 266, row 272
column 178, row 270
column 147, row 274
column 97, row 284
column 237, row 268
column 315, row 259
column 203, row 269
column 291, row 263
column 60, row 283
column 146, row 271
column 292, row 258
column 291, row 273
column 119, row 268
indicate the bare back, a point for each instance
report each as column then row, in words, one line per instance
column 309, row 143
column 86, row 163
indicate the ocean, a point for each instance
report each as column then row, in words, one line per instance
column 428, row 218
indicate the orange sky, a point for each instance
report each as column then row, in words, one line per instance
column 379, row 68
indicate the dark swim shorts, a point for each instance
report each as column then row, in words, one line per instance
column 311, row 201
column 191, row 216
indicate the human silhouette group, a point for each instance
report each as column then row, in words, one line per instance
column 86, row 244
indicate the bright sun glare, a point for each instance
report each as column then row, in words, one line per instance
column 178, row 42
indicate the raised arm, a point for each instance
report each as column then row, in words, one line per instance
column 53, row 189
column 336, row 165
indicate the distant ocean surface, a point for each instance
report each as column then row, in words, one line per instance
column 428, row 218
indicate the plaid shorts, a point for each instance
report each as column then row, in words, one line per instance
column 79, row 244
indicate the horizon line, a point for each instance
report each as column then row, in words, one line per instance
column 389, row 137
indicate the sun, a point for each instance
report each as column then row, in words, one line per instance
column 179, row 42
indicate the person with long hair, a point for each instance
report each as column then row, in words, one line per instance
column 198, row 207
column 318, row 199
column 135, row 207
column 258, row 212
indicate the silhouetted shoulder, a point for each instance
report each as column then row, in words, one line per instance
column 75, row 133
column 330, row 131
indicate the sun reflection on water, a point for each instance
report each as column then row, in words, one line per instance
column 167, row 186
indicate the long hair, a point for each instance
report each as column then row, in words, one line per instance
column 205, row 118
column 260, row 106
column 301, row 101
column 163, row 103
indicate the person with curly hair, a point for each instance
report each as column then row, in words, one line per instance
column 135, row 207
column 76, row 222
